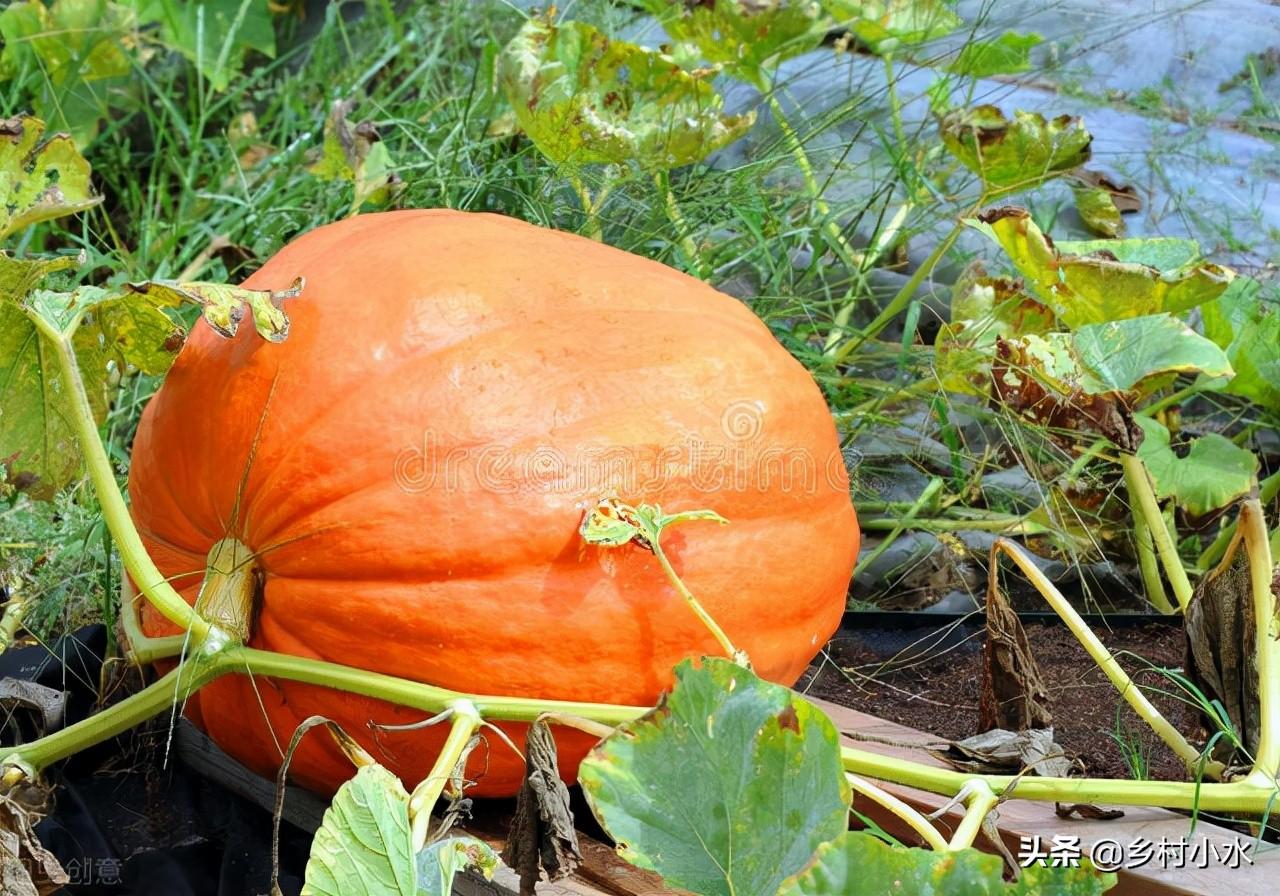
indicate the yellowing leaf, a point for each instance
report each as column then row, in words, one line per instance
column 1014, row 154
column 983, row 309
column 613, row 523
column 19, row 276
column 744, row 36
column 584, row 98
column 1100, row 287
column 38, row 180
column 224, row 306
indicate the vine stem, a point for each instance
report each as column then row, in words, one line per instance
column 981, row 800
column 158, row 697
column 917, row 822
column 1147, row 565
column 1252, row 533
column 1245, row 796
column 1143, row 498
column 14, row 612
column 180, row 683
column 684, row 236
column 901, row 524
column 700, row 611
column 1268, row 489
column 144, row 650
column 1131, row 693
column 465, row 721
column 114, row 510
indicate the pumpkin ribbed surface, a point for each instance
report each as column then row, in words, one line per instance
column 411, row 466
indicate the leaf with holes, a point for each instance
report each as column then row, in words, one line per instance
column 612, row 523
column 1119, row 280
column 1018, row 153
column 745, row 37
column 1212, row 473
column 582, row 97
column 728, row 786
column 39, row 180
column 438, row 863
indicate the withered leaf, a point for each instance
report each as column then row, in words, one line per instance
column 1013, row 695
column 1086, row 810
column 542, row 835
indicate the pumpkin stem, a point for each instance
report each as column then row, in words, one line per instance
column 229, row 595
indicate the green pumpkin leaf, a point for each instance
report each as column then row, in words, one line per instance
column 886, row 26
column 72, row 58
column 38, row 180
column 357, row 155
column 584, row 98
column 215, row 35
column 745, row 37
column 1126, row 355
column 1098, row 210
column 857, row 862
column 728, row 786
column 1245, row 322
column 1018, row 154
column 224, row 306
column 1105, row 286
column 440, row 862
column 1213, row 472
column 364, row 846
column 1007, row 54
column 1048, row 880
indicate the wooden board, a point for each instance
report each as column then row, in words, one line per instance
column 1022, row 818
column 604, row 874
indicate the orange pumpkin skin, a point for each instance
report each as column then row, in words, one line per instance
column 412, row 464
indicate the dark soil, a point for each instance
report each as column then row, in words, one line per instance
column 931, row 682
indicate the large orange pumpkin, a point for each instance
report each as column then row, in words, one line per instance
column 410, row 469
